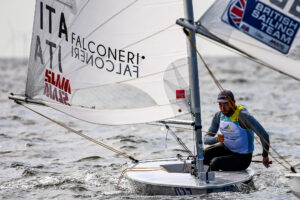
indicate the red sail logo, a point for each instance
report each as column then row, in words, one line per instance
column 180, row 94
column 57, row 87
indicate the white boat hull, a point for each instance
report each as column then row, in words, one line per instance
column 166, row 177
column 295, row 183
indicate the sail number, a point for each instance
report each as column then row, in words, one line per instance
column 179, row 191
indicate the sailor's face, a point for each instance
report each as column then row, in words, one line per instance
column 226, row 108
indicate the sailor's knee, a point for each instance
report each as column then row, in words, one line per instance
column 215, row 164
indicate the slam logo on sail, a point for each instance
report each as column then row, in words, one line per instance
column 262, row 22
column 57, row 87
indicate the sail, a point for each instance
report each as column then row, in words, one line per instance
column 267, row 30
column 109, row 62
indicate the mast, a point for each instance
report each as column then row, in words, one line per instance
column 195, row 90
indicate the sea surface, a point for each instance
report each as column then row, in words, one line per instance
column 41, row 160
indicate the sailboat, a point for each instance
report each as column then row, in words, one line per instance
column 126, row 61
column 265, row 31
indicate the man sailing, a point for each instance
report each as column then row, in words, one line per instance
column 236, row 140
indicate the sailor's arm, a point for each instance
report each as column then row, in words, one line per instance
column 210, row 138
column 250, row 122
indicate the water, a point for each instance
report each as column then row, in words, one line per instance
column 40, row 160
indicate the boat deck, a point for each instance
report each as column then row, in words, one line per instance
column 174, row 174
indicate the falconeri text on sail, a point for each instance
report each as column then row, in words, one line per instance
column 109, row 59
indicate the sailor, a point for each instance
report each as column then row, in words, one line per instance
column 236, row 140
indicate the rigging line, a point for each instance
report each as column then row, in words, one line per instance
column 231, row 104
column 180, row 142
column 253, row 128
column 229, row 48
column 187, row 150
column 81, row 134
column 183, row 128
column 203, row 61
column 179, row 127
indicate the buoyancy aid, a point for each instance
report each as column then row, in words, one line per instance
column 236, row 139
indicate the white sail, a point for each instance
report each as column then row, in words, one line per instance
column 267, row 30
column 109, row 62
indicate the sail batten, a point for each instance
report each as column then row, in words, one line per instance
column 105, row 59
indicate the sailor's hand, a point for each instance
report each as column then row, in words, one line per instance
column 266, row 162
column 220, row 138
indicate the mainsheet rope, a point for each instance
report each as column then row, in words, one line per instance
column 231, row 105
column 81, row 134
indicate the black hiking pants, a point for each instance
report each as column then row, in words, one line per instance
column 219, row 157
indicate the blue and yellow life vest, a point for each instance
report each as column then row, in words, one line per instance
column 236, row 139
